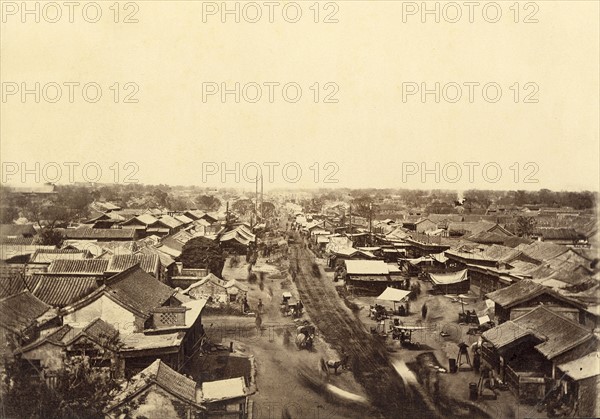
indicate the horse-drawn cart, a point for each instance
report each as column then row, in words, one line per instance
column 404, row 335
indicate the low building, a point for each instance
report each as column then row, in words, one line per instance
column 157, row 392
column 514, row 301
column 526, row 352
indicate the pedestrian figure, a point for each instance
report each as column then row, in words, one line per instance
column 260, row 306
column 258, row 322
column 424, row 311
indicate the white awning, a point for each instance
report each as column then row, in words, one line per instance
column 393, row 294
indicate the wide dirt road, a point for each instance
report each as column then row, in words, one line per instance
column 368, row 358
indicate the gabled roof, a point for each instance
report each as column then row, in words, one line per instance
column 542, row 251
column 170, row 221
column 556, row 333
column 366, row 267
column 145, row 219
column 139, row 289
column 558, row 233
column 148, row 262
column 94, row 267
column 519, row 292
column 19, row 311
column 98, row 233
column 160, row 374
column 99, row 331
column 183, row 219
column 60, row 291
column 560, row 333
column 11, row 279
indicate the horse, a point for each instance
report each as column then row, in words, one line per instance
column 304, row 341
column 331, row 365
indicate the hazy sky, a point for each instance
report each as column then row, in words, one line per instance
column 378, row 134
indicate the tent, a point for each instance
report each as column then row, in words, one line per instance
column 450, row 283
column 391, row 296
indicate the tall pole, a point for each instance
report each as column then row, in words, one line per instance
column 262, row 207
column 370, row 224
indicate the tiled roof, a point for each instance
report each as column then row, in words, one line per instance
column 49, row 255
column 507, row 333
column 19, row 311
column 183, row 219
column 78, row 267
column 60, row 291
column 19, row 230
column 97, row 330
column 20, row 241
column 516, row 293
column 558, row 233
column 118, row 263
column 160, row 374
column 170, row 221
column 542, row 251
column 139, row 289
column 560, row 334
column 98, row 233
column 11, row 279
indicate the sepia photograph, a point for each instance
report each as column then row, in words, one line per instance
column 310, row 209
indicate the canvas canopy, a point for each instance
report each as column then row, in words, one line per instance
column 391, row 296
column 447, row 279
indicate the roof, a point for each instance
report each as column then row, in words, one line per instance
column 98, row 233
column 231, row 388
column 582, row 368
column 183, row 219
column 11, row 279
column 78, row 267
column 97, row 330
column 46, row 188
column 16, row 230
column 60, row 291
column 519, row 292
column 49, row 255
column 157, row 373
column 507, row 333
column 558, row 233
column 19, row 311
column 559, row 334
column 10, row 251
column 542, row 251
column 139, row 289
column 170, row 221
column 148, row 262
column 366, row 267
column 449, row 278
column 393, row 294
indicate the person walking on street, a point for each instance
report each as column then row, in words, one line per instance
column 424, row 311
column 260, row 306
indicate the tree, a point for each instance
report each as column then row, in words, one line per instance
column 50, row 237
column 208, row 203
column 243, row 207
column 525, row 226
column 201, row 252
column 268, row 209
column 81, row 388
